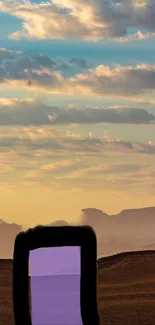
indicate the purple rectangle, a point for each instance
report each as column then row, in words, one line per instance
column 55, row 286
column 55, row 260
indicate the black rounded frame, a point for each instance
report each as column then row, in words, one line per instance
column 45, row 236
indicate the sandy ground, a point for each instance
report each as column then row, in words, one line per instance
column 126, row 290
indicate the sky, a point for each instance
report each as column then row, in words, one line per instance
column 77, row 108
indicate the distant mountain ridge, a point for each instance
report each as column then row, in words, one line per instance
column 8, row 232
column 122, row 212
column 141, row 211
column 129, row 230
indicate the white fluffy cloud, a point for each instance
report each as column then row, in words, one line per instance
column 139, row 36
column 118, row 81
column 85, row 20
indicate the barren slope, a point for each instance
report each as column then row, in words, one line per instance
column 126, row 289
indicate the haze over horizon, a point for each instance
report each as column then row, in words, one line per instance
column 130, row 230
column 77, row 108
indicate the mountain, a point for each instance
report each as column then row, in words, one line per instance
column 8, row 232
column 129, row 230
column 139, row 215
column 90, row 213
column 150, row 247
column 59, row 223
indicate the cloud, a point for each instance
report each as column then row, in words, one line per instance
column 93, row 116
column 136, row 180
column 113, row 173
column 81, row 63
column 19, row 66
column 117, row 81
column 115, row 168
column 26, row 112
column 48, row 142
column 13, row 59
column 76, row 77
column 85, row 20
column 142, row 100
column 67, row 164
column 138, row 36
column 48, row 157
column 101, row 81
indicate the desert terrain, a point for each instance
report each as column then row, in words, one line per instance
column 126, row 289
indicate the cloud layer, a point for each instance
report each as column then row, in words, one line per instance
column 49, row 138
column 50, row 158
column 32, row 112
column 19, row 65
column 75, row 76
column 85, row 20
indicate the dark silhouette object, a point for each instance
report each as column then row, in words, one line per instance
column 46, row 236
column 29, row 83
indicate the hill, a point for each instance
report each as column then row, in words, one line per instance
column 126, row 289
column 129, row 230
